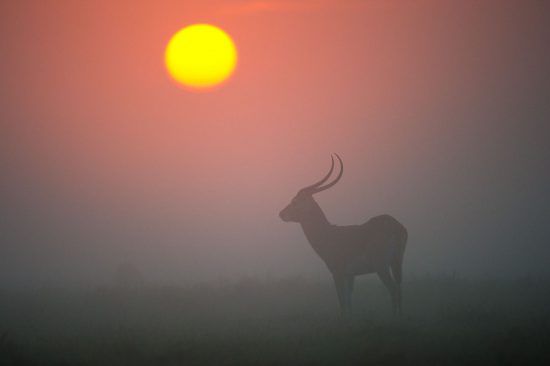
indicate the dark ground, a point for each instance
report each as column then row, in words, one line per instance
column 447, row 321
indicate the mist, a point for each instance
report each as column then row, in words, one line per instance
column 141, row 221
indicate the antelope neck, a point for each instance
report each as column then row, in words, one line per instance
column 315, row 228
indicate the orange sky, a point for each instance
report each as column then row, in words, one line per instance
column 430, row 103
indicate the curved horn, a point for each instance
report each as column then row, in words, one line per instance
column 322, row 180
column 319, row 189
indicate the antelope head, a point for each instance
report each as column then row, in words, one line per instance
column 303, row 206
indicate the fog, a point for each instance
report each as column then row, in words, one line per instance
column 439, row 110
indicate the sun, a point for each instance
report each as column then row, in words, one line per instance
column 201, row 56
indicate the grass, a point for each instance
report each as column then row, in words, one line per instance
column 447, row 321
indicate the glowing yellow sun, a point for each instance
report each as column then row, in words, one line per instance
column 200, row 56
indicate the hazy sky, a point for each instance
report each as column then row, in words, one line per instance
column 439, row 109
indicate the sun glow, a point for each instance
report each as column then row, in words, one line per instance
column 200, row 56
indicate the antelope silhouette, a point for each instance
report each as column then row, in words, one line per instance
column 377, row 246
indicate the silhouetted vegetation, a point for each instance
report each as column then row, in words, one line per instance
column 446, row 321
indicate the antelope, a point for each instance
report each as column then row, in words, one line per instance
column 377, row 246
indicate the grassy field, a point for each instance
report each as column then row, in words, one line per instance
column 446, row 321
